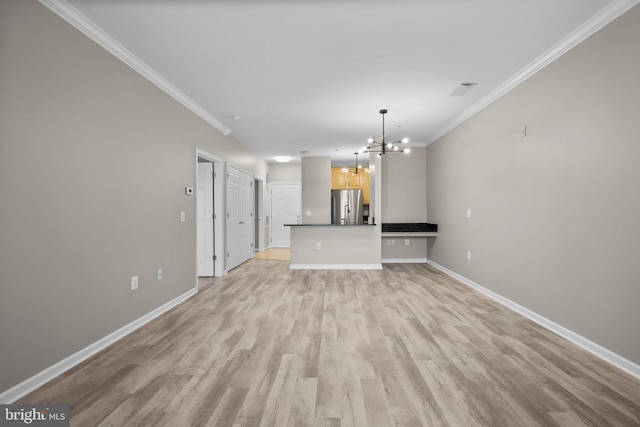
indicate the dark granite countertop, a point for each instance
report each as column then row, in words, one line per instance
column 329, row 225
column 409, row 227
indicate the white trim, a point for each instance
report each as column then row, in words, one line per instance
column 404, row 260
column 603, row 353
column 53, row 371
column 259, row 214
column 95, row 33
column 335, row 266
column 218, row 209
column 599, row 20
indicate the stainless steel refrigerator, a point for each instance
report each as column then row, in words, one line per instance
column 346, row 207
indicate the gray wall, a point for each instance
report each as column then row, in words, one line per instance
column 554, row 223
column 404, row 199
column 395, row 249
column 316, row 190
column 285, row 172
column 404, row 186
column 93, row 164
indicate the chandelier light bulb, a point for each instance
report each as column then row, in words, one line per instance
column 381, row 147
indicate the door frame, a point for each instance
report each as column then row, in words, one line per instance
column 218, row 211
column 252, row 232
column 258, row 196
column 204, row 205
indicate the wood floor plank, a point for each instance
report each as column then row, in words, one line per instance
column 303, row 404
column 405, row 346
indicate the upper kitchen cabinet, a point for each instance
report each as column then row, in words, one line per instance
column 341, row 180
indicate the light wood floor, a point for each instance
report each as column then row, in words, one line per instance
column 407, row 345
column 275, row 254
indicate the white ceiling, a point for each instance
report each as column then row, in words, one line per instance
column 311, row 75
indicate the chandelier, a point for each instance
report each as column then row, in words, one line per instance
column 357, row 169
column 383, row 147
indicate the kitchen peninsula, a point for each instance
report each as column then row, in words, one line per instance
column 397, row 212
column 333, row 246
column 318, row 244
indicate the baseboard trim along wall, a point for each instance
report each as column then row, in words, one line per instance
column 43, row 377
column 335, row 267
column 593, row 348
column 404, row 260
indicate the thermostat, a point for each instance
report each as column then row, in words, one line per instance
column 188, row 191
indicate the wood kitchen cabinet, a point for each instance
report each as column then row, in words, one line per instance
column 341, row 180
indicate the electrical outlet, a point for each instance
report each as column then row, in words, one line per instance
column 160, row 274
column 407, row 242
column 523, row 131
column 468, row 255
column 393, row 241
column 183, row 216
column 318, row 246
column 134, row 283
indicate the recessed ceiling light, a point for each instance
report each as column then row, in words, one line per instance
column 282, row 159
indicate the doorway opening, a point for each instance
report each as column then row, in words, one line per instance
column 209, row 222
column 259, row 217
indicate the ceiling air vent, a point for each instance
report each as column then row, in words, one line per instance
column 462, row 89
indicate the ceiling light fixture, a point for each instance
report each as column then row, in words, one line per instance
column 383, row 147
column 282, row 159
column 357, row 169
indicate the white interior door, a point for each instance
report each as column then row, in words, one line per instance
column 285, row 209
column 204, row 202
column 239, row 217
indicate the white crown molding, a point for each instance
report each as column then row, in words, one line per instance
column 599, row 20
column 95, row 33
column 596, row 349
column 57, row 369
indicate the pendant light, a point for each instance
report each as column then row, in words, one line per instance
column 383, row 147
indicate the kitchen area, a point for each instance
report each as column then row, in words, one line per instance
column 361, row 220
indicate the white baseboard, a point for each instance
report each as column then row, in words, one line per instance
column 404, row 260
column 43, row 377
column 596, row 349
column 335, row 266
